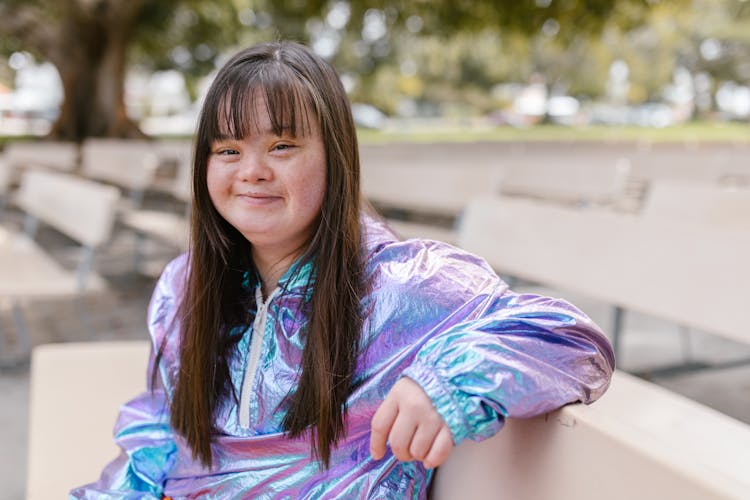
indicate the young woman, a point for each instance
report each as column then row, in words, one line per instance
column 300, row 349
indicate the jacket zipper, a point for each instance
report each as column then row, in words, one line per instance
column 256, row 345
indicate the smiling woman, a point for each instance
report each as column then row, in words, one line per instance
column 270, row 187
column 300, row 350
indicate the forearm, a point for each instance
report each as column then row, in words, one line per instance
column 527, row 356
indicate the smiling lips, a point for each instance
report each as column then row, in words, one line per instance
column 259, row 198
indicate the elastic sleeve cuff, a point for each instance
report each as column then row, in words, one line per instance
column 442, row 399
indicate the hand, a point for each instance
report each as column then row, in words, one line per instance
column 409, row 422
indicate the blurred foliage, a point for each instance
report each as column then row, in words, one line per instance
column 190, row 34
column 436, row 55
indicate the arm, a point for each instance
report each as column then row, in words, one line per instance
column 512, row 356
column 143, row 430
column 527, row 356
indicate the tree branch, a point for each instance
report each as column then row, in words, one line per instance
column 28, row 24
column 112, row 11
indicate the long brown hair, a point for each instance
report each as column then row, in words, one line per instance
column 296, row 86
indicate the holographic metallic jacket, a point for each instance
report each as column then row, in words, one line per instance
column 438, row 315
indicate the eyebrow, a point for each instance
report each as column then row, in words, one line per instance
column 269, row 131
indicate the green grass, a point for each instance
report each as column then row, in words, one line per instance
column 692, row 132
column 701, row 132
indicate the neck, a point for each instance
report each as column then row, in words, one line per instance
column 271, row 266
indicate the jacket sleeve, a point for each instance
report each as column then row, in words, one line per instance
column 518, row 355
column 143, row 431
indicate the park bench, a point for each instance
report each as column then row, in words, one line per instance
column 638, row 441
column 80, row 209
column 415, row 184
column 127, row 164
column 425, row 188
column 422, row 188
column 704, row 204
column 5, row 183
column 55, row 155
column 166, row 227
column 21, row 155
column 584, row 180
column 724, row 164
column 409, row 194
column 172, row 154
column 662, row 267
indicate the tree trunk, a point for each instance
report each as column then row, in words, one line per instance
column 91, row 60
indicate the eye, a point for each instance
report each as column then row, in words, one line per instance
column 223, row 151
column 283, row 146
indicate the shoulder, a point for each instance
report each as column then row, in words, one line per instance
column 173, row 278
column 425, row 267
column 165, row 301
column 419, row 287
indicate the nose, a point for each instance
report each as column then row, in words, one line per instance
column 254, row 167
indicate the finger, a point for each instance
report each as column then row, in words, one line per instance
column 441, row 449
column 401, row 435
column 380, row 427
column 426, row 432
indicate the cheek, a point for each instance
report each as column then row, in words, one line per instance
column 317, row 193
column 215, row 184
column 314, row 190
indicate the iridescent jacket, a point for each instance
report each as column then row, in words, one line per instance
column 437, row 314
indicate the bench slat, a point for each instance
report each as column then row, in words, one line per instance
column 693, row 275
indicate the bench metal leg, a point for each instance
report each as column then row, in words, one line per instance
column 687, row 348
column 83, row 316
column 136, row 197
column 139, row 251
column 3, row 344
column 24, row 339
column 30, row 226
column 22, row 354
column 617, row 323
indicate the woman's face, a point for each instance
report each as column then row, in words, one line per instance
column 269, row 187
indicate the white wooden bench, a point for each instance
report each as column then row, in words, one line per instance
column 425, row 189
column 704, row 204
column 582, row 180
column 128, row 164
column 18, row 156
column 406, row 230
column 171, row 154
column 76, row 391
column 62, row 156
column 638, row 441
column 5, row 183
column 708, row 164
column 435, row 189
column 661, row 267
column 165, row 227
column 82, row 210
column 417, row 180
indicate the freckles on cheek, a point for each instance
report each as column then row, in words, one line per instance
column 214, row 183
column 315, row 193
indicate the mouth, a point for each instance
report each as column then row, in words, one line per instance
column 259, row 198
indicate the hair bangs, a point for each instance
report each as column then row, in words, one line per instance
column 281, row 93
